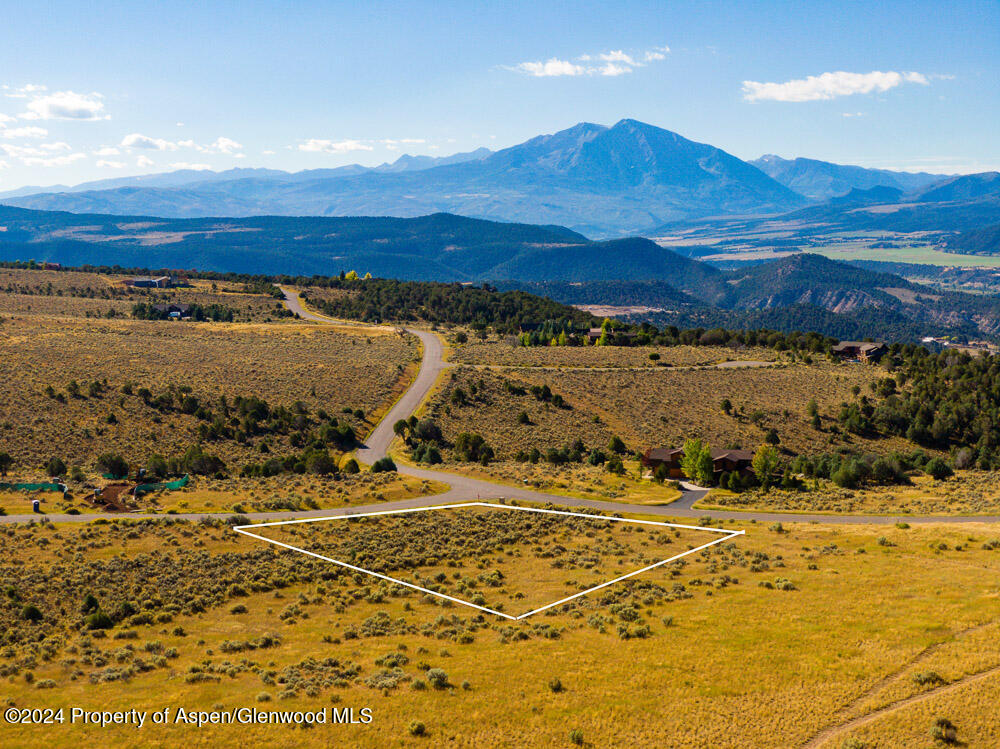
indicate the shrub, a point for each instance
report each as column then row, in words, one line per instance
column 55, row 467
column 938, row 469
column 416, row 727
column 576, row 737
column 351, row 466
column 98, row 620
column 555, row 685
column 113, row 465
column 471, row 447
column 944, row 731
column 31, row 613
column 384, row 465
column 437, row 678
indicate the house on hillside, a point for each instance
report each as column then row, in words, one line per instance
column 594, row 334
column 722, row 460
column 149, row 282
column 865, row 351
column 175, row 310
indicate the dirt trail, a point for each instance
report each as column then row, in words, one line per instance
column 843, row 725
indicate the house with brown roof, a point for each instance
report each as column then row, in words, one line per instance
column 722, row 460
column 865, row 351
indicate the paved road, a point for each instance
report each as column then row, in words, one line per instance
column 466, row 489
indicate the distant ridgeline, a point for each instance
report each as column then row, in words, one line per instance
column 535, row 319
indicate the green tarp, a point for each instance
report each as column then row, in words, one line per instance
column 47, row 487
column 146, row 488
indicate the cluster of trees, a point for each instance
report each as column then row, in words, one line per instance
column 946, row 401
column 577, row 452
column 199, row 312
column 852, row 470
column 194, row 461
column 423, row 436
column 246, row 417
column 378, row 300
column 315, row 459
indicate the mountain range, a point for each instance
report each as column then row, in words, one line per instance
column 821, row 180
column 597, row 180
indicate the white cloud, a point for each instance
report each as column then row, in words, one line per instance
column 550, row 68
column 829, row 86
column 615, row 62
column 853, row 114
column 144, row 161
column 107, row 151
column 23, row 92
column 225, row 145
column 268, row 153
column 66, row 105
column 613, row 69
column 50, row 161
column 187, row 165
column 618, row 55
column 41, row 151
column 104, row 163
column 24, row 132
column 6, row 118
column 320, row 145
column 137, row 140
column 656, row 54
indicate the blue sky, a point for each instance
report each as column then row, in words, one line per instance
column 105, row 89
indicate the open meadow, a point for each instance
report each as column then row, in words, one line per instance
column 966, row 493
column 732, row 646
column 659, row 407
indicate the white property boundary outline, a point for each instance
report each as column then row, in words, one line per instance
column 726, row 536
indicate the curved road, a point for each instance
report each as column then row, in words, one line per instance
column 466, row 489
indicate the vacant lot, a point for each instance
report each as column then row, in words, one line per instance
column 660, row 407
column 507, row 560
column 779, row 637
column 112, row 361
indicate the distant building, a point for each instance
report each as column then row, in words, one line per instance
column 722, row 460
column 175, row 310
column 594, row 334
column 866, row 351
column 149, row 282
column 51, row 266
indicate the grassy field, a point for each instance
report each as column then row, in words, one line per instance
column 206, row 494
column 507, row 353
column 660, row 407
column 575, row 480
column 79, row 294
column 324, row 367
column 967, row 493
column 776, row 639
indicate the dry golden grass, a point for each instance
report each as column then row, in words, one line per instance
column 77, row 294
column 326, row 367
column 506, row 352
column 726, row 662
column 576, row 480
column 654, row 408
column 968, row 492
column 466, row 552
column 241, row 494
